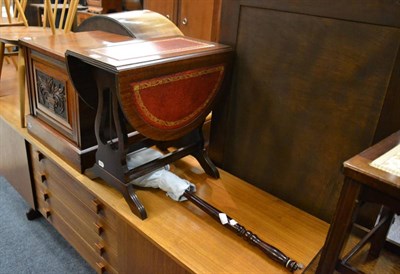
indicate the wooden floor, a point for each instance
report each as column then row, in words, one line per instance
column 387, row 263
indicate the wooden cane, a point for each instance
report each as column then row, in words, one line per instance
column 240, row 230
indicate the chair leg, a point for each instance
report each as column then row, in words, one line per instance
column 8, row 55
column 14, row 62
column 9, row 49
column 21, row 84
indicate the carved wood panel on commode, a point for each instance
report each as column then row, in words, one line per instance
column 313, row 84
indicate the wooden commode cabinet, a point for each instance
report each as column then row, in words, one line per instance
column 197, row 19
column 58, row 117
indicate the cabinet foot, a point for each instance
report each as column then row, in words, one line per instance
column 32, row 214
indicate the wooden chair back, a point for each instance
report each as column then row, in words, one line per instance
column 67, row 16
column 15, row 11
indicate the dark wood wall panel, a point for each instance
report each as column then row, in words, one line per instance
column 308, row 92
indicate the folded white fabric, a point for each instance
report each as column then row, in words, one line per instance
column 143, row 156
column 162, row 178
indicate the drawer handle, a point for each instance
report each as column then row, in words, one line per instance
column 47, row 213
column 40, row 156
column 45, row 196
column 185, row 21
column 43, row 178
column 101, row 267
column 167, row 16
column 97, row 206
column 99, row 228
column 100, row 248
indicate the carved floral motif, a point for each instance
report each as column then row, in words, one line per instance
column 51, row 93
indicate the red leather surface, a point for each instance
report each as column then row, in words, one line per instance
column 173, row 101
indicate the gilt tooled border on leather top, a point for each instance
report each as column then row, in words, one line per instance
column 151, row 118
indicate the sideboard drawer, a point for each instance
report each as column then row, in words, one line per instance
column 44, row 169
column 76, row 213
column 97, row 262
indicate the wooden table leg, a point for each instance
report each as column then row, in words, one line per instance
column 340, row 227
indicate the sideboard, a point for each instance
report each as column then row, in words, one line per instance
column 176, row 237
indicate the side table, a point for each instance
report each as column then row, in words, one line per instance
column 362, row 183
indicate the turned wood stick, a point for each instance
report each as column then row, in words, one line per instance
column 240, row 230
